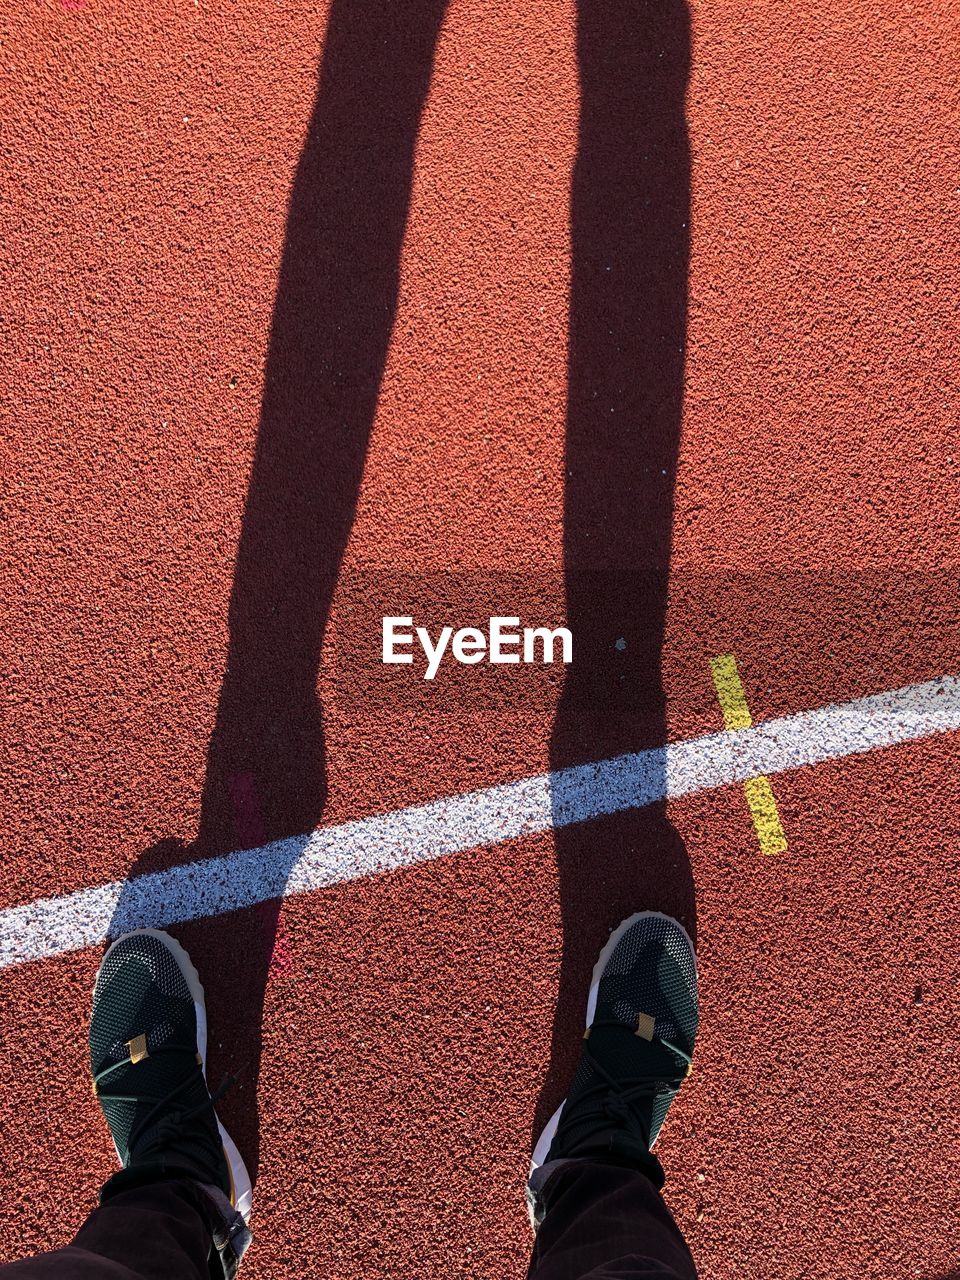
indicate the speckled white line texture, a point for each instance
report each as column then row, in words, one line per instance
column 383, row 842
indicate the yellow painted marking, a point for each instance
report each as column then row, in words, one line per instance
column 758, row 791
column 766, row 819
column 733, row 701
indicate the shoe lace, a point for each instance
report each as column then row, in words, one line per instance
column 171, row 1122
column 613, row 1098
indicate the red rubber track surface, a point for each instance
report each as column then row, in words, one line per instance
column 420, row 256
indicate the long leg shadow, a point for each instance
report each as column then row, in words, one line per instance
column 629, row 222
column 334, row 310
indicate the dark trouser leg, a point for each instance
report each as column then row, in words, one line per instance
column 606, row 1222
column 162, row 1230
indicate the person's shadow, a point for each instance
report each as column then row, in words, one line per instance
column 334, row 311
column 630, row 215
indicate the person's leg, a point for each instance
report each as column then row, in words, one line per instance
column 177, row 1209
column 160, row 1231
column 606, row 1222
column 594, row 1187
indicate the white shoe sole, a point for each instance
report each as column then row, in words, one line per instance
column 546, row 1138
column 242, row 1195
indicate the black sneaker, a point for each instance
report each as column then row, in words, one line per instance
column 641, row 1025
column 148, row 1040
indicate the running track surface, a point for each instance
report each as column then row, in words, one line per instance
column 424, row 290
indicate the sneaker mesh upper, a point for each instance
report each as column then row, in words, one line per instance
column 652, row 970
column 140, row 990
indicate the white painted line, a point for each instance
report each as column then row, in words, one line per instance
column 331, row 855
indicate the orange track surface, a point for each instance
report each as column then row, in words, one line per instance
column 642, row 318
